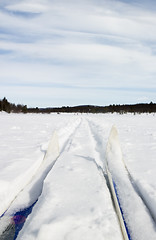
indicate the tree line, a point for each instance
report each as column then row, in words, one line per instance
column 6, row 106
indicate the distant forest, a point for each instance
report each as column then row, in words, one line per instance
column 8, row 107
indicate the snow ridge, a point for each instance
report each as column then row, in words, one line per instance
column 35, row 182
column 32, row 183
column 109, row 181
column 135, row 212
column 140, row 188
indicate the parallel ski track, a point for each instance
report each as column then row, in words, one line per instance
column 104, row 170
column 111, row 187
column 139, row 193
column 67, row 142
column 30, row 180
column 70, row 137
column 135, row 186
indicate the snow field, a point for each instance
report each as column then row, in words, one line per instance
column 74, row 200
column 75, row 196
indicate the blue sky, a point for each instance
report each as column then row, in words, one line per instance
column 66, row 52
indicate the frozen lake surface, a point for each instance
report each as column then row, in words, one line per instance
column 70, row 183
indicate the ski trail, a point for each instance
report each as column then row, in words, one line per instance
column 52, row 147
column 65, row 134
column 34, row 185
column 75, row 195
column 147, row 200
column 134, row 209
column 135, row 212
column 36, row 181
column 52, row 152
column 109, row 181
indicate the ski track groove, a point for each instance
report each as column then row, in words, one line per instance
column 139, row 193
column 66, row 143
column 101, row 165
column 136, row 188
column 69, row 140
column 104, row 171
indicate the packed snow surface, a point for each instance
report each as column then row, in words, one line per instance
column 70, row 183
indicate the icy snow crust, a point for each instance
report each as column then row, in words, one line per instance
column 74, row 200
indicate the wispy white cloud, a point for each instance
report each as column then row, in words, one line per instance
column 28, row 6
column 78, row 44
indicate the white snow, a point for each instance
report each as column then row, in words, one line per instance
column 134, row 209
column 74, row 199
